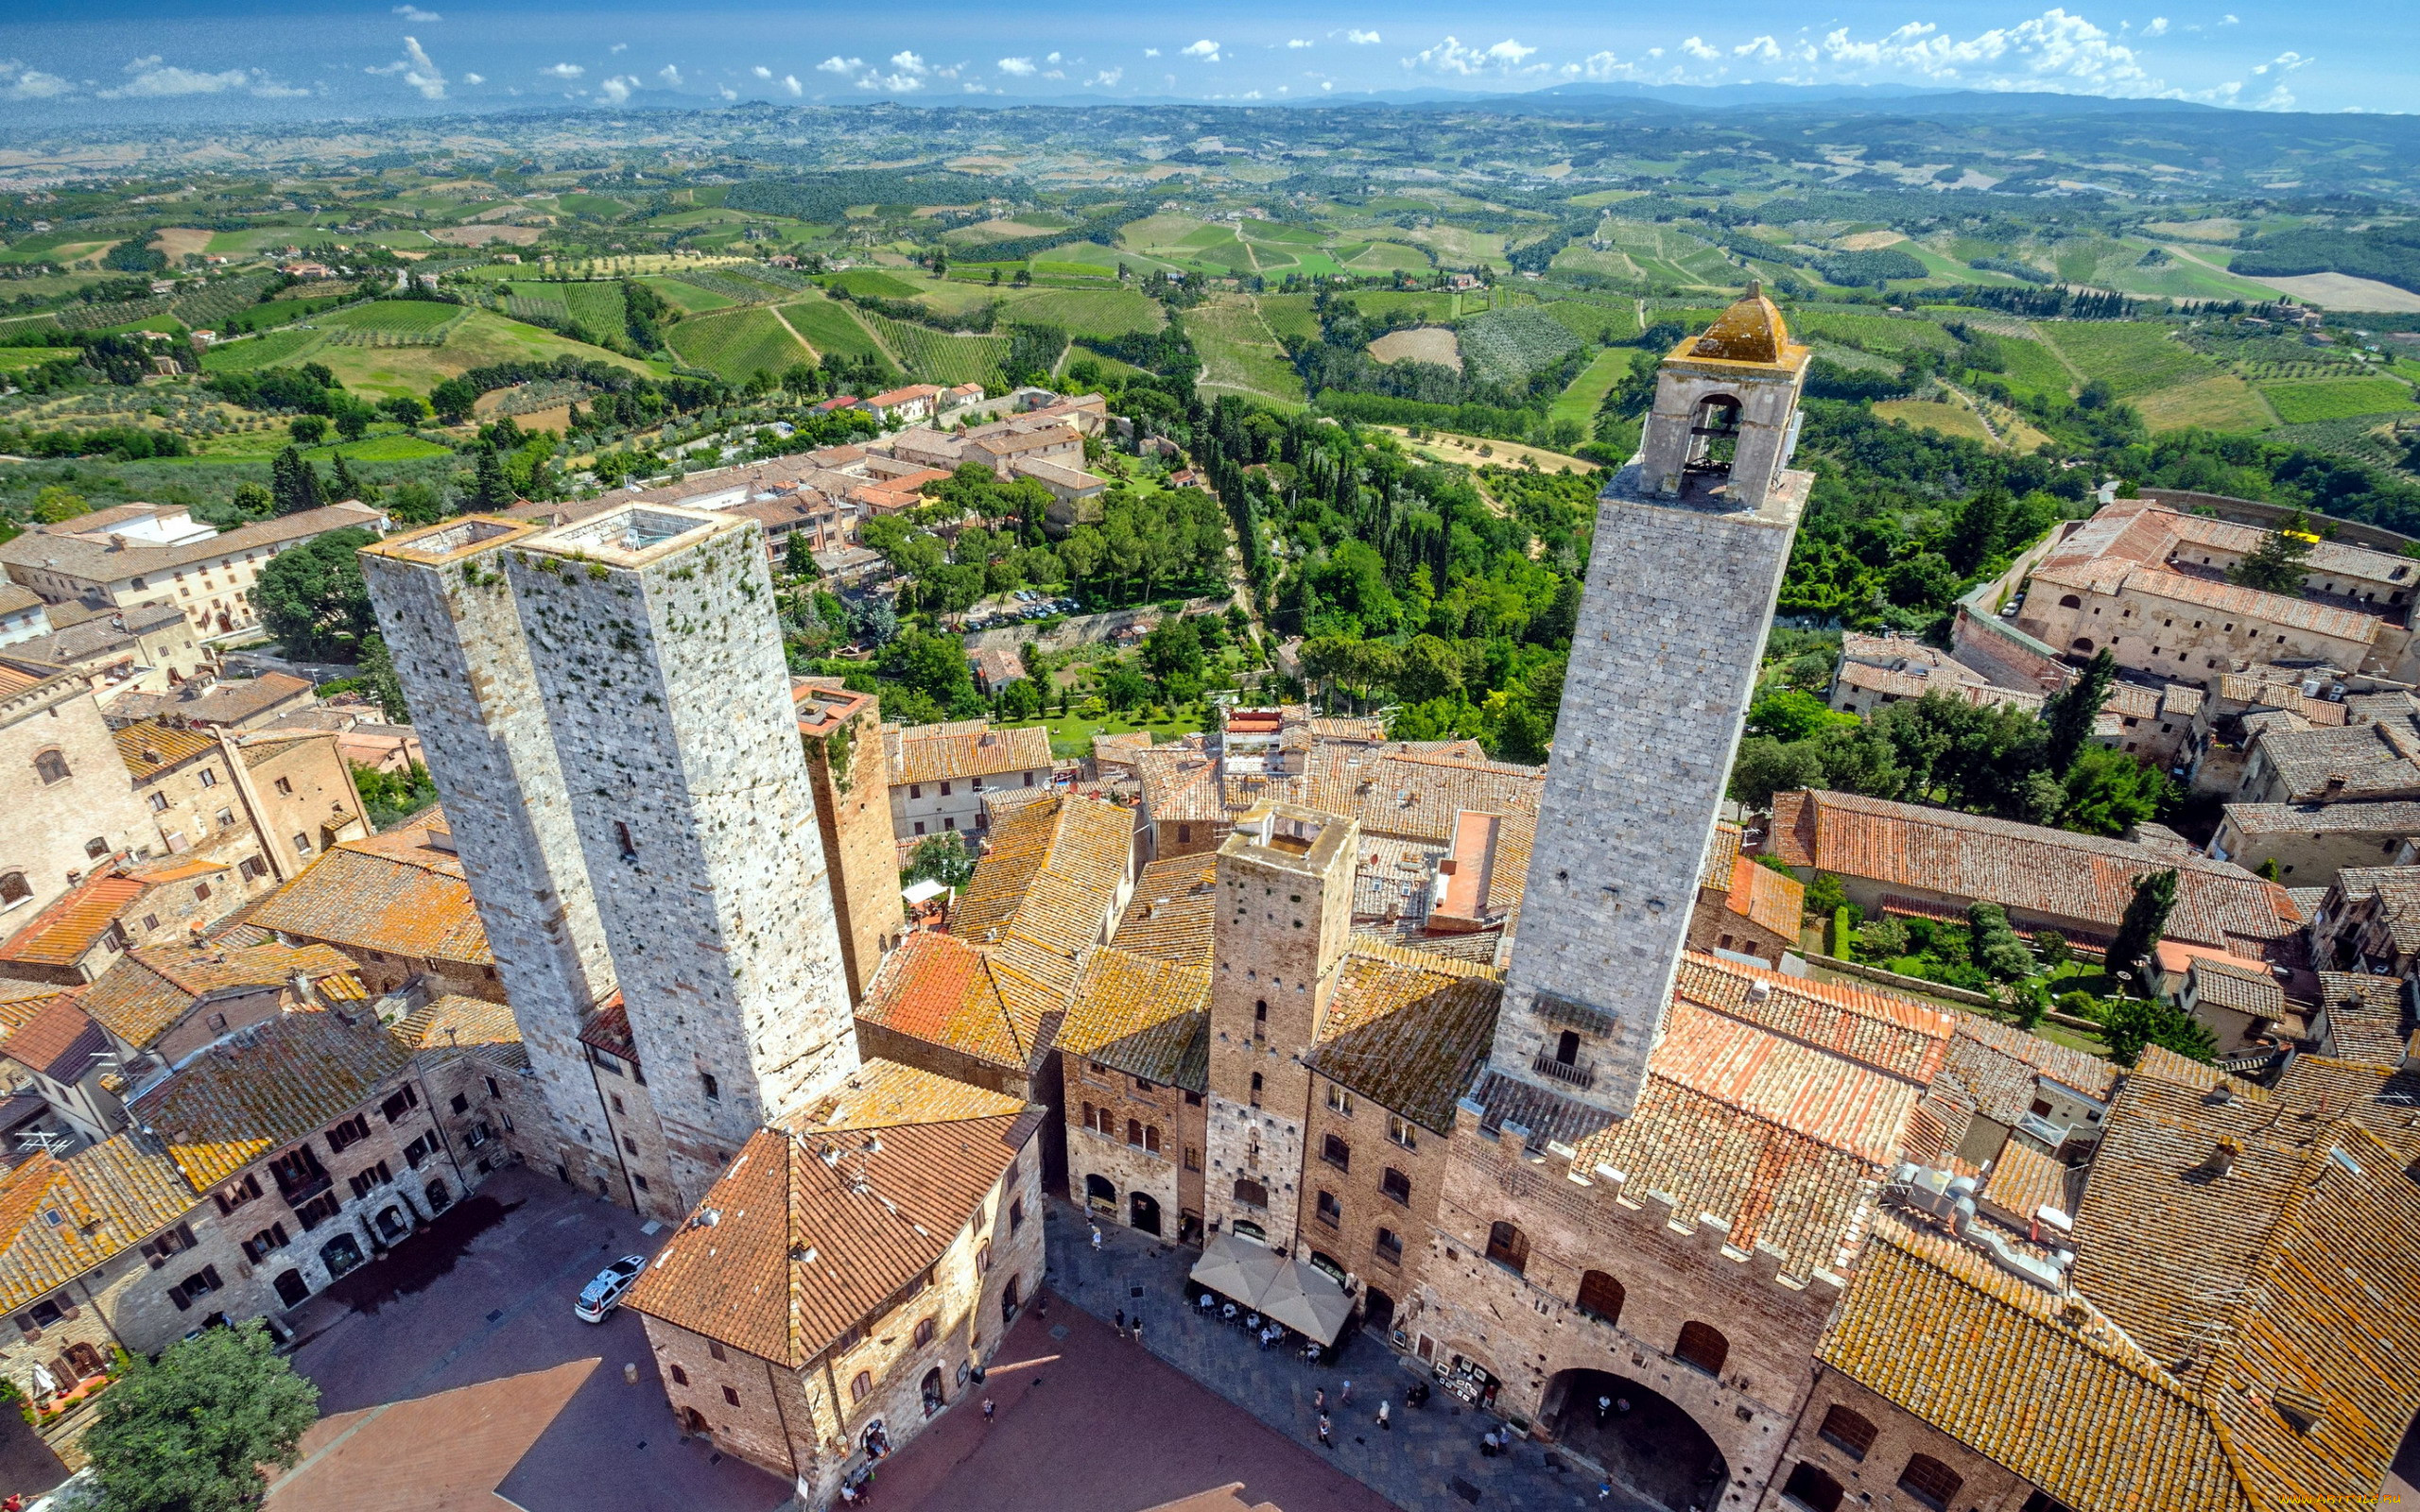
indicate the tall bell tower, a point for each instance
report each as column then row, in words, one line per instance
column 1692, row 537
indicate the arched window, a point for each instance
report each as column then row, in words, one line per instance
column 1256, row 1088
column 862, row 1387
column 13, row 888
column 1251, row 1193
column 2070, row 601
column 1930, row 1482
column 1134, row 1132
column 51, row 766
column 1702, row 1346
column 1600, row 1296
column 1151, row 1139
column 1566, row 1049
column 1090, row 1121
column 925, row 1330
column 1847, row 1431
column 1810, row 1487
column 1509, row 1248
column 984, row 1257
column 2081, row 643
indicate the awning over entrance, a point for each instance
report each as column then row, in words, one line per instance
column 1300, row 1295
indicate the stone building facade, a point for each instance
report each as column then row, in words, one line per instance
column 848, row 763
column 1284, row 902
column 70, row 808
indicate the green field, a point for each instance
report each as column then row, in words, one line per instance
column 938, row 357
column 591, row 205
column 1578, row 403
column 1640, row 252
column 832, row 328
column 1290, row 316
column 1428, row 306
column 1872, row 332
column 404, row 317
column 2300, row 404
column 2033, row 368
column 688, row 297
column 1238, row 352
column 16, row 359
column 257, row 351
column 1089, row 311
column 1385, row 257
column 1595, row 322
column 876, row 282
column 2132, row 357
column 476, row 339
column 737, row 344
column 2221, row 402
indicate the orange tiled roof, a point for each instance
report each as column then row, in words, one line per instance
column 63, row 932
column 61, row 1041
column 1767, row 899
column 285, row 1079
column 1173, row 910
column 938, row 988
column 60, row 1218
column 802, row 1251
column 1145, row 1016
column 391, row 892
column 451, row 1024
column 151, row 748
column 2051, row 873
column 21, row 1001
column 1408, row 1030
column 144, row 994
column 1885, row 1030
column 2000, row 1066
column 1722, row 851
column 964, row 748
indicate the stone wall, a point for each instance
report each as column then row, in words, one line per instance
column 453, row 628
column 1671, row 628
column 2190, row 641
column 852, row 812
column 1870, row 1479
column 1360, row 1190
column 662, row 681
column 302, row 798
column 1129, row 1165
column 645, row 1165
column 51, row 824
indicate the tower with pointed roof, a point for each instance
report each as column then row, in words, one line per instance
column 1691, row 540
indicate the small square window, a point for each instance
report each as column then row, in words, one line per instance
column 731, row 1396
column 285, row 786
column 679, row 1376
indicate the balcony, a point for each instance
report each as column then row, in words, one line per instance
column 1578, row 1075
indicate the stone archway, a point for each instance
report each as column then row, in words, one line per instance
column 1144, row 1212
column 1654, row 1446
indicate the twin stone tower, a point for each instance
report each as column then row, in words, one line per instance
column 607, row 712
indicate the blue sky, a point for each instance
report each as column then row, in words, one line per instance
column 153, row 60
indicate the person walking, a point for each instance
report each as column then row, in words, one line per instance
column 1325, row 1442
column 1345, row 1397
column 987, row 1407
column 1604, row 1406
column 1382, row 1416
column 1121, row 1322
column 1096, row 1237
column 1138, row 1327
column 1319, row 1401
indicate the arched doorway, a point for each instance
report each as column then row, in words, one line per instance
column 1144, row 1210
column 1713, row 434
column 340, row 1254
column 932, row 1391
column 1654, row 1445
column 292, row 1289
column 1100, row 1197
column 1378, row 1310
column 1247, row 1229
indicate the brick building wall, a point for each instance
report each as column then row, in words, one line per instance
column 1714, row 926
column 2152, row 632
column 656, row 654
column 1867, row 1472
column 1527, row 1329
column 643, row 1161
column 853, row 814
column 811, row 1423
column 1367, row 1201
column 196, row 805
column 300, row 794
column 1134, row 1142
column 453, row 628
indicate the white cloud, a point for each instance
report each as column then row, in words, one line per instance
column 761, row 70
column 791, row 87
column 416, row 15
column 265, row 88
column 1451, row 57
column 18, row 83
column 616, row 91
column 2158, row 27
column 727, row 92
column 2284, row 63
column 421, row 74
column 1297, row 41
column 1362, row 39
column 1205, row 49
column 1020, row 67
column 619, row 47
column 475, row 78
column 897, row 83
column 1764, row 49
column 563, row 71
column 1150, row 52
column 1108, row 77
column 2051, row 51
column 152, row 80
column 1696, row 47
column 837, row 64
column 2230, row 19
column 911, row 64
column 1600, row 66
column 1052, row 59
column 671, row 74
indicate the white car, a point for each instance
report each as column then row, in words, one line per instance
column 598, row 1299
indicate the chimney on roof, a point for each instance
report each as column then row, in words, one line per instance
column 2336, row 781
column 2222, row 1157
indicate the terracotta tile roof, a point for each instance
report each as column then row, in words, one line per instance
column 1885, row 1030
column 1407, row 1031
column 391, row 892
column 964, row 748
column 938, row 988
column 2243, row 987
column 802, row 1251
column 63, row 932
column 451, row 1025
column 1768, row 899
column 2051, row 873
column 59, row 1218
column 1143, row 1016
column 60, row 1041
column 2376, row 762
column 1415, row 796
column 21, row 1001
column 1721, row 854
column 2382, row 1099
column 146, row 992
column 2023, row 1181
column 2397, row 817
column 2393, row 894
column 1084, row 844
column 151, row 748
column 266, row 1088
column 64, row 550
column 1996, row 1363
column 2000, row 1065
column 2364, row 1017
column 1832, row 1101
column 1174, row 907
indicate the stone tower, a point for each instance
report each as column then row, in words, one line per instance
column 650, row 707
column 849, row 765
column 1691, row 540
column 451, row 624
column 1285, row 917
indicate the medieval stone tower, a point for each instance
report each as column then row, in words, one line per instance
column 1284, row 879
column 659, row 680
column 1691, row 540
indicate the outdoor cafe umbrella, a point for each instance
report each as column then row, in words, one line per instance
column 1307, row 1299
column 1236, row 1268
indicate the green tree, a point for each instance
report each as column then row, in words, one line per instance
column 1791, row 714
column 1173, row 649
column 942, row 858
column 313, row 598
column 2127, row 1024
column 2069, row 714
column 934, row 665
column 2052, row 947
column 2147, row 914
column 1982, row 528
column 2276, row 565
column 347, row 486
column 491, row 490
column 307, row 430
column 1826, row 895
column 378, row 675
column 2108, row 792
column 57, row 503
column 796, row 560
column 192, row 1432
column 1993, row 946
column 254, row 501
column 294, row 483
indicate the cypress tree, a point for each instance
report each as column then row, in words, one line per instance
column 2147, row 914
column 294, row 484
column 2070, row 713
column 491, row 490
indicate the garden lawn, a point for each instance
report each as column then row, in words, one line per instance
column 1073, row 735
column 1578, row 403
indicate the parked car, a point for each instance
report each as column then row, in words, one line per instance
column 598, row 1299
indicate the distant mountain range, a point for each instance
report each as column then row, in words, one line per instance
column 1625, row 98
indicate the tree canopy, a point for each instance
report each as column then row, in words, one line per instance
column 314, row 600
column 194, row 1432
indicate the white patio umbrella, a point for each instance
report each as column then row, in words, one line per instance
column 1307, row 1299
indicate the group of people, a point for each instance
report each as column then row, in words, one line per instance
column 1271, row 1334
